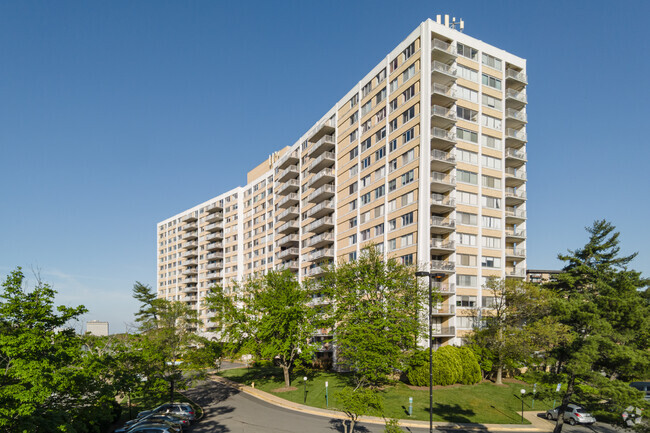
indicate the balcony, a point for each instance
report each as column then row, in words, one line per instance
column 292, row 265
column 319, row 240
column 441, row 160
column 441, row 92
column 292, row 157
column 322, row 209
column 189, row 289
column 326, row 159
column 190, row 262
column 515, row 158
column 515, row 99
column 188, row 245
column 440, row 225
column 443, row 72
column 325, row 127
column 515, row 235
column 288, row 240
column 516, row 77
column 515, row 197
column 325, row 144
column 516, row 118
column 214, row 217
column 189, row 299
column 214, row 246
column 190, row 271
column 314, row 272
column 288, row 253
column 190, row 280
column 212, row 227
column 442, row 182
column 189, row 235
column 446, row 289
column 189, row 218
column 443, row 331
column 443, row 266
column 515, row 216
column 325, row 253
column 439, row 247
column 287, row 187
column 215, row 255
column 320, row 225
column 290, row 172
column 439, row 134
column 289, row 200
column 442, row 50
column 288, row 214
column 325, row 176
column 214, row 236
column 190, row 226
column 288, row 227
column 322, row 193
column 212, row 266
column 515, row 273
column 189, row 253
column 518, row 135
column 515, row 253
column 214, row 207
column 444, row 310
column 441, row 203
column 443, row 117
column 515, row 177
column 214, row 274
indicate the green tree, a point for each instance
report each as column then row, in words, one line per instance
column 47, row 383
column 269, row 317
column 516, row 324
column 358, row 402
column 168, row 331
column 602, row 303
column 377, row 315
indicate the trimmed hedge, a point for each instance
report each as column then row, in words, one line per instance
column 450, row 365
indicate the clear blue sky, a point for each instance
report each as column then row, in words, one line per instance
column 116, row 115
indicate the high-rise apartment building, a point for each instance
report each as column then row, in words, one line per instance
column 424, row 157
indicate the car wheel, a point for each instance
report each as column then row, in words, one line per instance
column 572, row 421
column 549, row 417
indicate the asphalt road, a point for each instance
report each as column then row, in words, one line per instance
column 228, row 410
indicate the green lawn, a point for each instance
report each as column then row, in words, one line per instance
column 482, row 403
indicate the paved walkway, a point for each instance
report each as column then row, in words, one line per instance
column 538, row 424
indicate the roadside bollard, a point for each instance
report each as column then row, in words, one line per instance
column 410, row 406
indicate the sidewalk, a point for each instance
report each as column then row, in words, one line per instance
column 537, row 424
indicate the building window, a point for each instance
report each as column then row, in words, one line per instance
column 491, row 122
column 365, row 199
column 353, row 204
column 381, row 134
column 467, row 94
column 354, row 118
column 365, row 181
column 491, row 182
column 381, row 76
column 379, row 229
column 490, row 81
column 466, row 301
column 366, row 108
column 365, row 162
column 380, row 96
column 465, row 51
column 407, row 259
column 392, row 145
column 466, row 280
column 491, row 162
column 408, row 177
column 379, row 154
column 408, row 114
column 492, row 62
column 408, row 52
column 392, row 185
column 467, row 156
column 466, row 260
column 466, row 219
column 353, row 188
column 392, row 244
column 352, row 256
column 353, row 239
column 491, row 142
column 467, row 135
column 354, row 135
column 490, row 262
column 365, row 126
column 393, row 105
column 466, row 239
column 409, row 93
column 491, row 222
column 365, row 234
column 380, row 173
column 466, row 114
column 491, row 202
column 408, row 73
column 354, row 100
column 491, row 102
column 365, row 144
column 467, row 73
column 366, row 89
column 354, row 153
column 354, row 170
column 467, row 177
column 491, row 242
column 408, row 157
column 393, row 64
column 380, row 191
column 408, row 135
column 392, row 125
column 381, row 114
column 394, row 85
column 407, row 219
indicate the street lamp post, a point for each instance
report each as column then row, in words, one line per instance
column 428, row 274
column 523, row 391
column 305, row 398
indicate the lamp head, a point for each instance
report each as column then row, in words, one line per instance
column 522, row 391
column 421, row 274
column 305, row 378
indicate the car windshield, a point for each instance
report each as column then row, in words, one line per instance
column 581, row 410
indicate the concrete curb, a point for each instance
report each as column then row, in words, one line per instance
column 277, row 401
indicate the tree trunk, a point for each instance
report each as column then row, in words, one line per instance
column 287, row 378
column 351, row 426
column 171, row 391
column 130, row 409
column 565, row 400
column 498, row 380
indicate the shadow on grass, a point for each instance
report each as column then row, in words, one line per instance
column 337, row 425
column 452, row 413
column 507, row 415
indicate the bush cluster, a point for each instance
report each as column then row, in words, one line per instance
column 450, row 365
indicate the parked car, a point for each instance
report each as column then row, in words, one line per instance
column 152, row 428
column 573, row 414
column 643, row 387
column 182, row 409
column 177, row 420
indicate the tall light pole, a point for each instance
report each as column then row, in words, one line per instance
column 428, row 274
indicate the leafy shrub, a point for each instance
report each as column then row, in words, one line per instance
column 450, row 365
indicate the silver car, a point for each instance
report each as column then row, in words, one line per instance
column 573, row 414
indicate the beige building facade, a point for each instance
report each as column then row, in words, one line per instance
column 424, row 157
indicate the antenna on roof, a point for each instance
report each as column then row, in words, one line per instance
column 457, row 25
